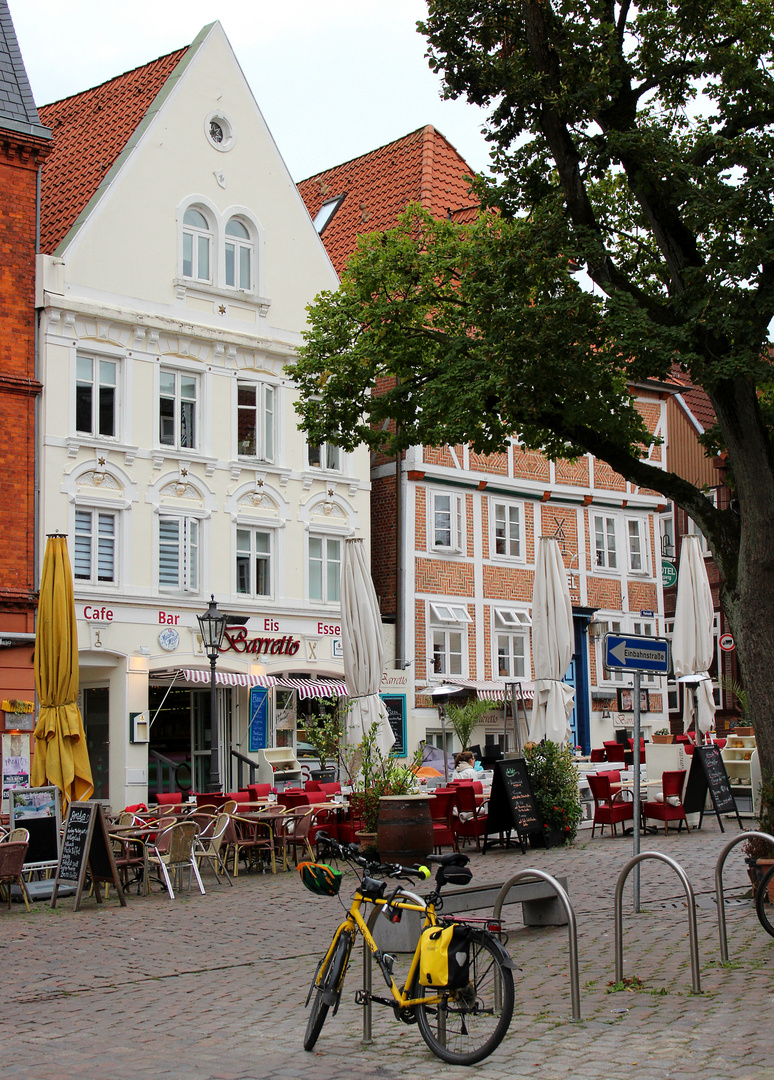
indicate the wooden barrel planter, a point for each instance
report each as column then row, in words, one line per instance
column 405, row 833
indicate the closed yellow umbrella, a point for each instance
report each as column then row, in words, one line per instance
column 61, row 756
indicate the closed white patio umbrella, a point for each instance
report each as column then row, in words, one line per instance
column 552, row 646
column 363, row 647
column 693, row 641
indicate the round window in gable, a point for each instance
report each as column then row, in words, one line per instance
column 219, row 131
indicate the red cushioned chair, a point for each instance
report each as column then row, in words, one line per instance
column 615, row 751
column 642, row 749
column 258, row 792
column 609, row 807
column 170, row 799
column 671, row 808
column 473, row 825
column 598, row 754
column 292, row 797
column 441, row 811
column 312, row 785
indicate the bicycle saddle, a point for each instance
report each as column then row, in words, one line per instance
column 454, row 858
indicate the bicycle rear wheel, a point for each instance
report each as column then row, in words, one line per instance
column 327, row 989
column 764, row 909
column 469, row 1024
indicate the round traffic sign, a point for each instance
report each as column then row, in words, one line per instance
column 668, row 573
column 727, row 642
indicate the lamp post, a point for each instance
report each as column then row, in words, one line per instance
column 213, row 626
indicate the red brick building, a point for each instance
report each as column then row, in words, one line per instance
column 454, row 533
column 24, row 143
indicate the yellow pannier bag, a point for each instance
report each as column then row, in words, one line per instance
column 444, row 957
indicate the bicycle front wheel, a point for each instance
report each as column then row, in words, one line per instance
column 468, row 1024
column 763, row 908
column 327, row 989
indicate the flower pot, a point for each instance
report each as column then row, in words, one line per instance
column 405, row 833
column 366, row 839
column 548, row 838
column 662, row 738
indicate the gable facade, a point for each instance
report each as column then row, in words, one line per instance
column 172, row 296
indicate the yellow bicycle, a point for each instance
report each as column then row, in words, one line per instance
column 465, row 1016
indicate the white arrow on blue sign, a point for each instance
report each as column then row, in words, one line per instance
column 637, row 653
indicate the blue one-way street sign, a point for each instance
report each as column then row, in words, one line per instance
column 635, row 653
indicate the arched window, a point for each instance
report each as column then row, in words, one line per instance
column 197, row 239
column 239, row 255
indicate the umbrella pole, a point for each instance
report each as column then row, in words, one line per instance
column 636, row 764
column 442, row 712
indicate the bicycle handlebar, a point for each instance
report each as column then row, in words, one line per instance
column 351, row 853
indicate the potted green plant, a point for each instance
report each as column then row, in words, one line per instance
column 374, row 775
column 663, row 735
column 554, row 779
column 464, row 718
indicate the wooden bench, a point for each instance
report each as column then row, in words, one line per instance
column 539, row 906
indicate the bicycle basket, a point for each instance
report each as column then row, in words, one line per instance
column 320, row 879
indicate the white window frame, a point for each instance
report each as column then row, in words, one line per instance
column 692, row 529
column 265, row 410
column 190, row 534
column 254, row 556
column 522, row 654
column 176, row 444
column 443, row 635
column 326, row 564
column 609, row 534
column 240, row 245
column 330, row 458
column 196, row 233
column 449, row 613
column 510, row 618
column 95, row 382
column 509, row 511
column 643, row 540
column 437, row 524
column 95, row 513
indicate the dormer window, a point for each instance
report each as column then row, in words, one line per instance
column 197, row 241
column 239, row 255
column 326, row 212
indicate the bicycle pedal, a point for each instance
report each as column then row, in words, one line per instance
column 362, row 997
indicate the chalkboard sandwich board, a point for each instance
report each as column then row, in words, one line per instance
column 708, row 773
column 86, row 846
column 511, row 803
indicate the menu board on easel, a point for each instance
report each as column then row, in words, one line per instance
column 511, row 803
column 708, row 773
column 86, row 846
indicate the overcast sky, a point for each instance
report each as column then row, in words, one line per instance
column 333, row 80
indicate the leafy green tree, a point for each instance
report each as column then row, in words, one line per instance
column 635, row 141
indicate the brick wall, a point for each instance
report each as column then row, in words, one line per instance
column 384, row 538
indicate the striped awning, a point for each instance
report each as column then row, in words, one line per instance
column 305, row 688
column 201, row 676
column 491, row 691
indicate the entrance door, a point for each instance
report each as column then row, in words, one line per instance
column 96, row 717
column 569, row 678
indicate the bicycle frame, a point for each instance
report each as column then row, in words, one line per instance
column 355, row 923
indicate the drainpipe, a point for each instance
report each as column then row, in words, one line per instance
column 400, row 659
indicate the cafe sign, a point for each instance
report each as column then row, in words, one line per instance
column 236, row 640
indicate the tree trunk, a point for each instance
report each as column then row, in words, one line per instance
column 748, row 572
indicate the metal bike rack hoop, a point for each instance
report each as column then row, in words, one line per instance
column 541, row 875
column 719, row 898
column 692, row 929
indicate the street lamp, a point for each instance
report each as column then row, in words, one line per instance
column 213, row 626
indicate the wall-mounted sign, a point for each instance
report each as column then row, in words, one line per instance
column 235, row 639
column 258, row 730
column 396, row 713
column 169, row 639
column 668, row 573
column 727, row 642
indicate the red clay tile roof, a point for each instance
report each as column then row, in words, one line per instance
column 90, row 131
column 420, row 167
column 695, row 398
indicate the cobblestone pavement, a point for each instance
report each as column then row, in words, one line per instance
column 213, row 987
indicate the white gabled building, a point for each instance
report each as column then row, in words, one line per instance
column 179, row 260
